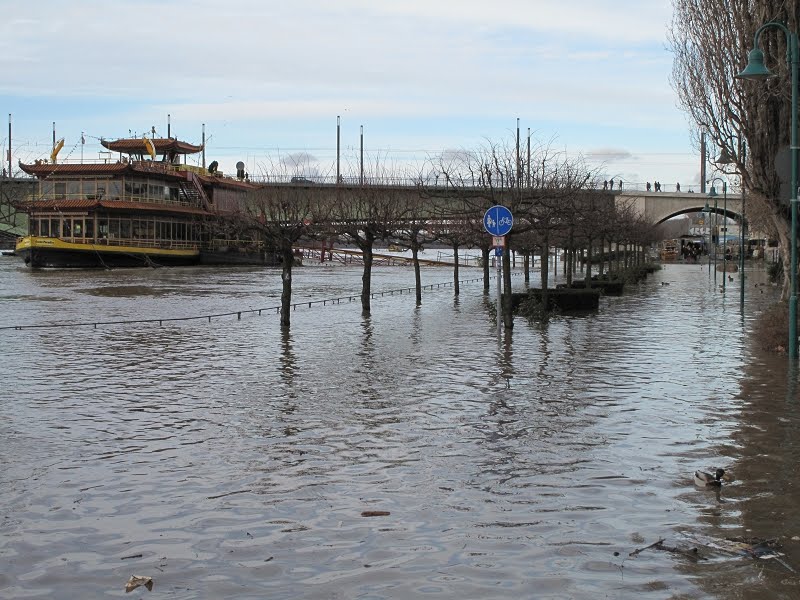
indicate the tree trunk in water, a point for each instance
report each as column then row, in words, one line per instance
column 287, row 258
column 485, row 256
column 526, row 267
column 601, row 268
column 508, row 318
column 588, row 278
column 366, row 278
column 570, row 260
column 456, row 275
column 546, row 267
column 417, row 278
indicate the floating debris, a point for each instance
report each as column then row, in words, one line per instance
column 375, row 513
column 136, row 580
column 752, row 547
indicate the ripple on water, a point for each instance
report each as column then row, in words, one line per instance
column 238, row 459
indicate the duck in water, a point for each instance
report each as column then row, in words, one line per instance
column 704, row 479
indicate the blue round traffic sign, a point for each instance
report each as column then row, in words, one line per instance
column 498, row 220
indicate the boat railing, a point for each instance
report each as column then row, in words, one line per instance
column 138, row 199
column 137, row 243
column 218, row 244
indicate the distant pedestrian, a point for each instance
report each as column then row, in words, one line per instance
column 648, row 186
column 611, row 183
column 605, row 183
column 620, row 184
column 678, row 187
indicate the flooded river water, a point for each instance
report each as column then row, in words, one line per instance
column 226, row 459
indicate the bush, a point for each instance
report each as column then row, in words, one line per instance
column 775, row 272
column 772, row 328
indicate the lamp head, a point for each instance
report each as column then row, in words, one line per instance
column 706, row 208
column 712, row 193
column 755, row 68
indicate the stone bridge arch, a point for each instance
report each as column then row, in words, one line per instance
column 657, row 207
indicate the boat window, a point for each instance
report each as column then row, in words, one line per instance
column 113, row 228
column 125, row 228
column 66, row 229
column 35, row 227
column 73, row 189
column 54, row 228
column 46, row 189
column 90, row 188
column 113, row 190
column 150, row 230
column 101, row 189
column 89, row 232
column 77, row 227
column 173, row 194
column 60, row 190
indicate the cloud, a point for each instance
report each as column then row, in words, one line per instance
column 609, row 154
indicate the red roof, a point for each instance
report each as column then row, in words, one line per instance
column 86, row 204
column 162, row 146
column 44, row 170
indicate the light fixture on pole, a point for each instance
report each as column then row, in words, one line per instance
column 726, row 158
column 712, row 193
column 756, row 69
column 707, row 210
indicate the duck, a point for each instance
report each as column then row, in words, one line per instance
column 730, row 277
column 664, row 283
column 704, row 478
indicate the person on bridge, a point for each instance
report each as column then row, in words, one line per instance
column 678, row 187
column 611, row 183
column 648, row 186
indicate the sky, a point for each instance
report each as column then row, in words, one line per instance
column 268, row 80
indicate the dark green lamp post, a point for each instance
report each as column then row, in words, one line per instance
column 712, row 193
column 706, row 211
column 756, row 69
column 725, row 158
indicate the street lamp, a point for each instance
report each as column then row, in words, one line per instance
column 707, row 210
column 712, row 193
column 725, row 158
column 756, row 69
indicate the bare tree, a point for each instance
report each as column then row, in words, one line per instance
column 710, row 40
column 366, row 214
column 285, row 215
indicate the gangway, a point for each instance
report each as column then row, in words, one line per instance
column 354, row 256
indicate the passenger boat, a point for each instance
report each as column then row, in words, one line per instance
column 146, row 208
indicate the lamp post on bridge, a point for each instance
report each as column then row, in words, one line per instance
column 712, row 193
column 756, row 69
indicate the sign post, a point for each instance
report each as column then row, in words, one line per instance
column 497, row 221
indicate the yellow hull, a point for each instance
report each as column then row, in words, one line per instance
column 58, row 253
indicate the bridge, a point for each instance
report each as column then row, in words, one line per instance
column 657, row 207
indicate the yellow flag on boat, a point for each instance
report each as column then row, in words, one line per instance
column 151, row 148
column 56, row 149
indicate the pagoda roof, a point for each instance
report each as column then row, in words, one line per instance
column 161, row 145
column 47, row 169
column 84, row 203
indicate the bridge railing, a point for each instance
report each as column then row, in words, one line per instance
column 442, row 183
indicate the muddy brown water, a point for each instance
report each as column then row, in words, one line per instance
column 231, row 460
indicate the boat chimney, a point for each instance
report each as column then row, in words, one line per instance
column 168, row 127
column 204, row 145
